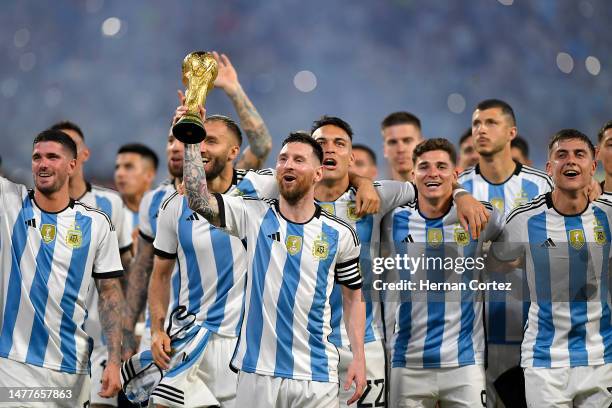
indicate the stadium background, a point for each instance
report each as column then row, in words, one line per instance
column 114, row 66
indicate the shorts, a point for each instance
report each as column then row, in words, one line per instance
column 98, row 363
column 500, row 358
column 583, row 387
column 375, row 392
column 72, row 389
column 453, row 387
column 263, row 391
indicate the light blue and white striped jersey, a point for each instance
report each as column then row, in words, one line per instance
column 292, row 269
column 392, row 194
column 110, row 202
column 567, row 260
column 131, row 217
column 506, row 315
column 211, row 263
column 439, row 329
column 48, row 262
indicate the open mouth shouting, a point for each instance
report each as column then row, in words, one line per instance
column 329, row 163
column 571, row 173
column 432, row 185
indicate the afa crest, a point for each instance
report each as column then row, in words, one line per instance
column 329, row 208
column 293, row 244
column 351, row 212
column 521, row 198
column 498, row 203
column 461, row 236
column 577, row 238
column 48, row 232
column 74, row 238
column 435, row 237
column 320, row 248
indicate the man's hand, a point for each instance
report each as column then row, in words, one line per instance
column 227, row 78
column 182, row 110
column 367, row 200
column 473, row 215
column 111, row 383
column 356, row 373
column 160, row 348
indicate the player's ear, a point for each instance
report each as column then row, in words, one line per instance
column 71, row 166
column 233, row 153
column 597, row 150
column 549, row 168
column 85, row 154
column 318, row 176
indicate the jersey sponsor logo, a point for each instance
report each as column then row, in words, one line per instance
column 498, row 203
column 577, row 238
column 434, row 237
column 74, row 238
column 461, row 236
column 293, row 244
column 351, row 212
column 329, row 208
column 320, row 247
column 48, row 231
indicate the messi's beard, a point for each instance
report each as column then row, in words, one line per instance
column 295, row 194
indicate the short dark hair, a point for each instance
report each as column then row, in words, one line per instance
column 366, row 149
column 144, row 151
column 68, row 125
column 332, row 120
column 55, row 135
column 434, row 144
column 400, row 118
column 305, row 138
column 498, row 103
column 600, row 134
column 568, row 134
column 520, row 143
column 465, row 136
column 230, row 123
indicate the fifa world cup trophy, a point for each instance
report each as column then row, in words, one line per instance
column 199, row 74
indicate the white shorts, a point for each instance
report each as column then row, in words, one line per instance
column 501, row 358
column 584, row 387
column 72, row 389
column 259, row 391
column 145, row 341
column 375, row 392
column 425, row 387
column 98, row 359
column 205, row 381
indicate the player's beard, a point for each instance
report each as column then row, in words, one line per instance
column 175, row 172
column 49, row 189
column 296, row 192
column 214, row 167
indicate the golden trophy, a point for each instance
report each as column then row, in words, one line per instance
column 199, row 74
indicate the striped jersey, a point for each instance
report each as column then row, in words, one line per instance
column 131, row 218
column 110, row 202
column 567, row 260
column 292, row 269
column 48, row 262
column 506, row 315
column 440, row 328
column 211, row 263
column 392, row 194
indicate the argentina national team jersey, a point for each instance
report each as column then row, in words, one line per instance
column 48, row 262
column 392, row 194
column 291, row 272
column 506, row 315
column 211, row 263
column 439, row 329
column 567, row 260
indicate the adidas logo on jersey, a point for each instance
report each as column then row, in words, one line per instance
column 193, row 217
column 549, row 243
column 408, row 239
column 275, row 236
column 31, row 223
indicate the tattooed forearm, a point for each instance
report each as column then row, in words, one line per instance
column 260, row 141
column 137, row 284
column 111, row 305
column 196, row 189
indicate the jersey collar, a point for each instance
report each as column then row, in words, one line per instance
column 517, row 170
column 549, row 204
column 316, row 214
column 31, row 195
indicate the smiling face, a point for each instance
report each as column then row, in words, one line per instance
column 434, row 174
column 219, row 148
column 52, row 165
column 571, row 165
column 337, row 155
column 297, row 171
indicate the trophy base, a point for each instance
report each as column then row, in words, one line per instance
column 189, row 130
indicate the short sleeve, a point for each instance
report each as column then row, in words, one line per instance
column 166, row 238
column 508, row 246
column 232, row 214
column 394, row 193
column 124, row 230
column 145, row 230
column 257, row 184
column 347, row 271
column 107, row 261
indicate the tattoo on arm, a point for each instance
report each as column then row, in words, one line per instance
column 111, row 305
column 196, row 189
column 126, row 260
column 260, row 141
column 137, row 284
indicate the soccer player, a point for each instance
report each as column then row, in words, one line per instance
column 108, row 201
column 468, row 156
column 520, row 150
column 365, row 161
column 401, row 132
column 566, row 352
column 135, row 168
column 604, row 154
column 438, row 341
column 296, row 252
column 505, row 184
column 253, row 157
column 334, row 195
column 53, row 249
